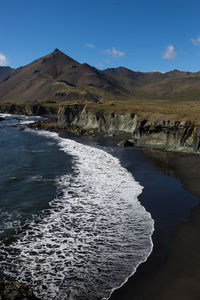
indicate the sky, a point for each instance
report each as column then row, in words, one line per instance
column 145, row 35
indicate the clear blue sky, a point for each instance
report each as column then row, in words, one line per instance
column 143, row 35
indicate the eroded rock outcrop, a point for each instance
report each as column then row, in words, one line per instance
column 31, row 109
column 168, row 135
column 176, row 135
column 161, row 131
column 78, row 116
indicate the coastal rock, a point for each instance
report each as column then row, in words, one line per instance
column 31, row 109
column 126, row 143
column 15, row 291
column 159, row 132
column 110, row 123
column 168, row 135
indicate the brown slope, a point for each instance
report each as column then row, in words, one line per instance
column 174, row 85
column 57, row 77
column 33, row 81
column 129, row 77
column 4, row 73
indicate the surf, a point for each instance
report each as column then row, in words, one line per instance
column 93, row 236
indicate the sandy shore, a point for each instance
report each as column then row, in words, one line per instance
column 173, row 269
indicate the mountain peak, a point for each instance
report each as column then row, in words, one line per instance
column 57, row 51
column 58, row 57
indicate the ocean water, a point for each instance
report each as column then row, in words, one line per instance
column 71, row 225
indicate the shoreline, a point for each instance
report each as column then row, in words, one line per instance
column 175, row 257
column 164, row 127
column 120, row 204
column 176, row 165
column 173, row 173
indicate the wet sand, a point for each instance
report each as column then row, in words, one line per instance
column 171, row 195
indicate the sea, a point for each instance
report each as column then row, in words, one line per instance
column 71, row 224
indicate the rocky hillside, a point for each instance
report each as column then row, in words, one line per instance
column 4, row 73
column 58, row 78
column 174, row 85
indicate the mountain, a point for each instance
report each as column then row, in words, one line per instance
column 175, row 85
column 4, row 73
column 57, row 77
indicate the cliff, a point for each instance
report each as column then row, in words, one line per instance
column 144, row 127
column 168, row 135
column 29, row 109
column 176, row 135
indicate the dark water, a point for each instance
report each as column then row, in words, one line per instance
column 28, row 169
column 71, row 212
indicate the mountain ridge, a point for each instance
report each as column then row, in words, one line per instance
column 57, row 77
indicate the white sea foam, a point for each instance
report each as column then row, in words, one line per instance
column 9, row 220
column 26, row 122
column 35, row 117
column 92, row 238
column 5, row 115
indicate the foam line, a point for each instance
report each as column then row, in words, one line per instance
column 92, row 238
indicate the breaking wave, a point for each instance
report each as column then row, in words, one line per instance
column 92, row 238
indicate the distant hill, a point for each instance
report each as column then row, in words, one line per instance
column 57, row 77
column 156, row 85
column 4, row 72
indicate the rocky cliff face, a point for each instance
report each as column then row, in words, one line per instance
column 176, row 135
column 108, row 123
column 160, row 133
column 169, row 135
column 31, row 109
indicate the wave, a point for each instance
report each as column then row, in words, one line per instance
column 9, row 220
column 92, row 238
column 5, row 115
column 26, row 122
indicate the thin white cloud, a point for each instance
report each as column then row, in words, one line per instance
column 196, row 41
column 114, row 52
column 90, row 46
column 169, row 52
column 3, row 60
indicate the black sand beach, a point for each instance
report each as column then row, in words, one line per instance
column 171, row 190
